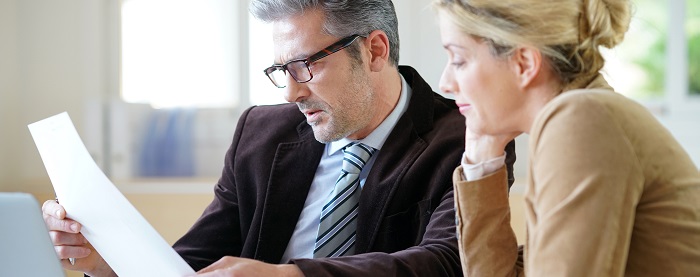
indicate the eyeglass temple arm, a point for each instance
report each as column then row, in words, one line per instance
column 340, row 45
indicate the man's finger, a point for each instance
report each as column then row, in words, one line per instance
column 53, row 209
column 64, row 238
column 64, row 225
column 65, row 252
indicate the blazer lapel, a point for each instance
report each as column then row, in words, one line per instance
column 293, row 170
column 403, row 146
column 387, row 172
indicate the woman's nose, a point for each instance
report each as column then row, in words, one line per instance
column 446, row 84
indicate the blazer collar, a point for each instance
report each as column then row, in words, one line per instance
column 421, row 106
column 293, row 170
column 403, row 146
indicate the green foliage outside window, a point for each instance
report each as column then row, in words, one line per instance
column 646, row 46
column 693, row 32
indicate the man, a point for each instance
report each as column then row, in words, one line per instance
column 280, row 208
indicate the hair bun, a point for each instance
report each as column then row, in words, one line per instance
column 604, row 22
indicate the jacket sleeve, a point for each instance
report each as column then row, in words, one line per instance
column 487, row 244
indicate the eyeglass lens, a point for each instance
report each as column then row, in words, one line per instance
column 298, row 69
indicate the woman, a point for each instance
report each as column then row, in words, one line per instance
column 610, row 192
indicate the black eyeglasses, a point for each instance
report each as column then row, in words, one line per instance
column 299, row 69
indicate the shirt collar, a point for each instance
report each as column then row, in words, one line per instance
column 377, row 138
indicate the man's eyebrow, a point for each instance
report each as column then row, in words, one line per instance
column 298, row 56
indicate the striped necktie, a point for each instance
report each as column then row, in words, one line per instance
column 336, row 233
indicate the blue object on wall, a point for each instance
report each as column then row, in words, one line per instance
column 167, row 144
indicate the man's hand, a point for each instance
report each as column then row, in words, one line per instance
column 70, row 243
column 233, row 266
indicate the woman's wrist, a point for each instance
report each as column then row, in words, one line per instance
column 475, row 153
column 475, row 171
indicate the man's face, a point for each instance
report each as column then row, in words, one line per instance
column 338, row 101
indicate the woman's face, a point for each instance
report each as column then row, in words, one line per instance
column 484, row 86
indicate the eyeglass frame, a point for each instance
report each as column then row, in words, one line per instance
column 325, row 52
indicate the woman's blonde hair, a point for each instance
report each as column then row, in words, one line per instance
column 567, row 32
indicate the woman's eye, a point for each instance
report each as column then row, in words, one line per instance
column 457, row 64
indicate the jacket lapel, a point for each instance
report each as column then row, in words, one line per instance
column 387, row 172
column 293, row 170
column 403, row 146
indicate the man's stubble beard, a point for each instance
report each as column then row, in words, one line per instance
column 356, row 113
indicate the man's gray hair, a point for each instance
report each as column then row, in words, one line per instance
column 343, row 18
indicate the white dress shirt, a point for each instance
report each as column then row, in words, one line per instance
column 472, row 172
column 301, row 245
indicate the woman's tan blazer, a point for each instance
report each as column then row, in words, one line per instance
column 610, row 192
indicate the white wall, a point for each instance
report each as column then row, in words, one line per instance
column 421, row 46
column 8, row 90
column 56, row 63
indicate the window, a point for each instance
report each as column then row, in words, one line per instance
column 179, row 53
column 658, row 65
column 183, row 78
column 655, row 64
column 637, row 67
column 179, row 79
column 262, row 92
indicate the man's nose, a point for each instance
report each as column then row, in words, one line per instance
column 295, row 92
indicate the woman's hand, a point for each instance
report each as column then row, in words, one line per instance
column 483, row 147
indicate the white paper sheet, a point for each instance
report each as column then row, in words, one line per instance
column 113, row 226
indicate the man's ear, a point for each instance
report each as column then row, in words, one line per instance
column 527, row 64
column 377, row 43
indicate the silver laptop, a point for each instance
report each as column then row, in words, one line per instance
column 25, row 245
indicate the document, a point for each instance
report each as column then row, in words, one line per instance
column 113, row 226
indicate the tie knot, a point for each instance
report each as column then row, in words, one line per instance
column 355, row 156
